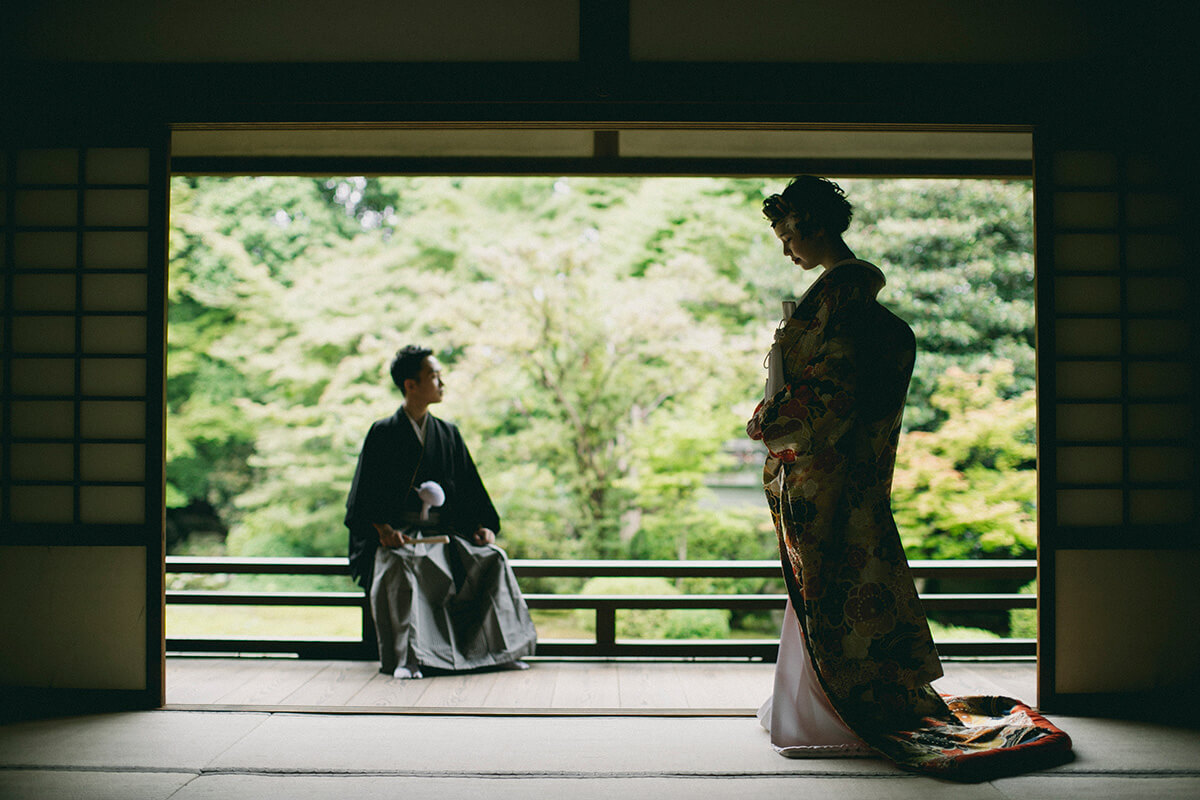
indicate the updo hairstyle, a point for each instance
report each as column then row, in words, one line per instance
column 818, row 203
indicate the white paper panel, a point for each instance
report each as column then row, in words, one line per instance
column 1087, row 380
column 113, row 462
column 1147, row 295
column 48, row 419
column 58, row 208
column 423, row 142
column 114, row 376
column 1154, row 251
column 114, row 293
column 113, row 419
column 43, row 334
column 75, row 617
column 48, row 166
column 114, row 249
column 42, row 504
column 1085, row 168
column 1160, row 506
column 1153, row 379
column 1160, row 421
column 1155, row 337
column 116, row 207
column 114, row 334
column 1085, row 209
column 1087, row 337
column 1089, row 506
column 1161, row 464
column 43, row 292
column 43, row 376
column 824, row 31
column 1086, row 251
column 44, row 250
column 118, row 165
column 1088, row 422
column 309, row 31
column 1089, row 465
column 639, row 143
column 1112, row 634
column 1087, row 295
column 43, row 462
column 1145, row 209
column 112, row 505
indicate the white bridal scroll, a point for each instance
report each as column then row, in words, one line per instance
column 775, row 357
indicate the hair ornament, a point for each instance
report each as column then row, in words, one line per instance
column 776, row 208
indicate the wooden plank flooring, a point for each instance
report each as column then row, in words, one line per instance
column 548, row 687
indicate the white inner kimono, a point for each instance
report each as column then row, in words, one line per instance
column 798, row 715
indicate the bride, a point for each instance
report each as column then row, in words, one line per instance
column 856, row 656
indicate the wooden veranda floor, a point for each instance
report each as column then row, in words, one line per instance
column 549, row 687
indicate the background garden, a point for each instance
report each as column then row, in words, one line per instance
column 603, row 340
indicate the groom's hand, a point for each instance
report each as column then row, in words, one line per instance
column 390, row 537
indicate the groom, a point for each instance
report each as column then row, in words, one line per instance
column 452, row 606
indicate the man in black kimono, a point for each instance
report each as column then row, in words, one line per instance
column 448, row 606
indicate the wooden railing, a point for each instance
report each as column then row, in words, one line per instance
column 605, row 643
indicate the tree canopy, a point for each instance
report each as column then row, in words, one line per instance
column 603, row 341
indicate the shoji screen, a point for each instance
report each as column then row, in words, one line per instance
column 1116, row 373
column 80, row 555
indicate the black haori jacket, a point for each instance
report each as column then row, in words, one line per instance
column 391, row 466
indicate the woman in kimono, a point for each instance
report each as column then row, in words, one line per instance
column 856, row 655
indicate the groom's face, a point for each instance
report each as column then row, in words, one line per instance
column 428, row 386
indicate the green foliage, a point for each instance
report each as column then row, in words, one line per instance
column 958, row 255
column 951, row 633
column 658, row 623
column 603, row 339
column 264, row 622
column 1022, row 622
column 732, row 534
column 596, row 363
column 968, row 490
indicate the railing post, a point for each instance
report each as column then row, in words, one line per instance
column 368, row 627
column 606, row 625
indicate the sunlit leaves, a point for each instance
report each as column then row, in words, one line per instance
column 968, row 489
column 603, row 339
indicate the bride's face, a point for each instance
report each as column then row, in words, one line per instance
column 801, row 250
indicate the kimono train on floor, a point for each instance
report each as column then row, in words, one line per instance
column 831, row 432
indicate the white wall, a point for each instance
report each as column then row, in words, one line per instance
column 73, row 617
column 1127, row 620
